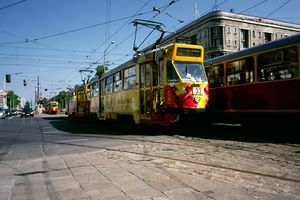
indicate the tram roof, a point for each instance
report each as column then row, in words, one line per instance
column 132, row 61
column 263, row 47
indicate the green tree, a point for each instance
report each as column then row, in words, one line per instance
column 27, row 105
column 100, row 69
column 61, row 99
column 12, row 100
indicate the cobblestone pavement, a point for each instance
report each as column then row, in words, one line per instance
column 159, row 168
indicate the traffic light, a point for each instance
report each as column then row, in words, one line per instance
column 24, row 82
column 7, row 78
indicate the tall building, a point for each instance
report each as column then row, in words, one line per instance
column 223, row 32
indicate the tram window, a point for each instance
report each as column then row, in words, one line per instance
column 102, row 87
column 130, row 78
column 142, row 102
column 161, row 72
column 278, row 65
column 142, row 75
column 117, row 82
column 148, row 102
column 94, row 89
column 155, row 74
column 108, row 84
column 240, row 71
column 171, row 73
column 215, row 76
column 147, row 75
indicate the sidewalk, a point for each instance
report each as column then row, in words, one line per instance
column 89, row 176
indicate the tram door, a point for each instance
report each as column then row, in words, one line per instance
column 101, row 99
column 150, row 91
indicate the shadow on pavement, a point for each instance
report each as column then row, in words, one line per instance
column 191, row 128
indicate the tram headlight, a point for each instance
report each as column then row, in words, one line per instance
column 197, row 99
column 189, row 89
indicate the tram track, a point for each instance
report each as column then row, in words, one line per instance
column 208, row 164
column 259, row 149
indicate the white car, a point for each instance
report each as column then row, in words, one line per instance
column 2, row 113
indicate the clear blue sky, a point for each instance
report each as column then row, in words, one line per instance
column 54, row 39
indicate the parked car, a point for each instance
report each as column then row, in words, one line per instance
column 27, row 112
column 7, row 113
column 14, row 112
column 2, row 113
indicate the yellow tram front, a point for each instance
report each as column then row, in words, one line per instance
column 186, row 85
column 172, row 82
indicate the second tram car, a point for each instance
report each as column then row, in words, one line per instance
column 78, row 104
column 157, row 87
column 259, row 83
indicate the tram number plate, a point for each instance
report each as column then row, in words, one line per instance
column 197, row 90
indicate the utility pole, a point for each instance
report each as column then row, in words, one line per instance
column 37, row 95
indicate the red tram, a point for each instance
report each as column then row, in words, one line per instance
column 52, row 107
column 259, row 83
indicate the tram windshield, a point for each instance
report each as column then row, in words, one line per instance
column 190, row 71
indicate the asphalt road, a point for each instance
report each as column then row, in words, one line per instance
column 56, row 157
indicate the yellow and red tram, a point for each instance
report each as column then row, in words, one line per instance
column 262, row 82
column 52, row 107
column 156, row 87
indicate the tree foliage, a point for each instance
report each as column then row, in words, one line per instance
column 100, row 69
column 27, row 105
column 12, row 99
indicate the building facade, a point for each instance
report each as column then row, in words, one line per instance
column 223, row 32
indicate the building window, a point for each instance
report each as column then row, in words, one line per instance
column 235, row 31
column 216, row 31
column 259, row 34
column 235, row 43
column 228, row 43
column 216, row 34
column 268, row 37
column 253, row 33
column 244, row 38
column 194, row 39
column 228, row 29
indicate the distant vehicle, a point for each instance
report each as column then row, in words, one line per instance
column 52, row 107
column 14, row 112
column 7, row 113
column 27, row 112
column 2, row 113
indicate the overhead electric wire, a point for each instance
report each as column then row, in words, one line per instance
column 264, row 1
column 130, row 17
column 122, row 26
column 13, row 4
column 74, row 30
column 279, row 7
